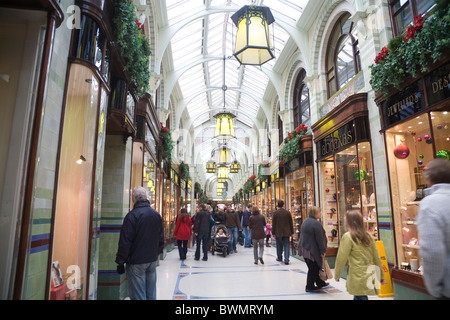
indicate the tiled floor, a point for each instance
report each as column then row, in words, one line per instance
column 236, row 277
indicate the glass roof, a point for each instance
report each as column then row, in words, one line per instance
column 211, row 35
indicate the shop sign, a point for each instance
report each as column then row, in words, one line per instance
column 337, row 140
column 292, row 165
column 403, row 104
column 437, row 84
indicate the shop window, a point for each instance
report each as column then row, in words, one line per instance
column 280, row 128
column 301, row 101
column 404, row 11
column 73, row 201
column 300, row 196
column 149, row 181
column 410, row 146
column 89, row 44
column 343, row 57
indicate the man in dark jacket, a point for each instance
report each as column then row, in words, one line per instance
column 282, row 229
column 202, row 228
column 141, row 240
column 245, row 221
column 231, row 221
column 257, row 222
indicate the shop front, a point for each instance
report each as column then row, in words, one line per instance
column 300, row 184
column 416, row 127
column 345, row 169
column 79, row 176
column 145, row 165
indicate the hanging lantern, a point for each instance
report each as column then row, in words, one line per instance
column 224, row 125
column 224, row 155
column 235, row 167
column 253, row 45
column 211, row 167
column 222, row 174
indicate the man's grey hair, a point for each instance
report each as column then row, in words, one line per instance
column 438, row 171
column 139, row 193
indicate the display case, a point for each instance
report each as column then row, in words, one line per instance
column 409, row 148
column 329, row 202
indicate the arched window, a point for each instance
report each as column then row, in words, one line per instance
column 343, row 60
column 301, row 101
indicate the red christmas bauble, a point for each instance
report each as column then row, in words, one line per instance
column 401, row 151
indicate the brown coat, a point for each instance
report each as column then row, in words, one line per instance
column 256, row 225
column 282, row 225
column 231, row 219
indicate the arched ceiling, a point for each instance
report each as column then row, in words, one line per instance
column 195, row 38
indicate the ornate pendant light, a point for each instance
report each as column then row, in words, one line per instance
column 222, row 174
column 235, row 167
column 224, row 155
column 224, row 119
column 253, row 45
column 224, row 125
column 211, row 167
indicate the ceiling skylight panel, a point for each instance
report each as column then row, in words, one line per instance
column 249, row 104
column 245, row 120
column 201, row 119
column 288, row 9
column 187, row 43
column 180, row 9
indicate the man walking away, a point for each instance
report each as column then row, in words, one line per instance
column 433, row 224
column 245, row 222
column 141, row 240
column 201, row 230
column 282, row 229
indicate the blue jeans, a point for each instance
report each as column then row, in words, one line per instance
column 247, row 240
column 202, row 240
column 142, row 281
column 182, row 248
column 283, row 244
column 234, row 236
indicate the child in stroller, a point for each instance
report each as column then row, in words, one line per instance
column 221, row 237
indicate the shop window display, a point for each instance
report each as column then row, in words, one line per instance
column 329, row 202
column 410, row 145
column 73, row 201
column 300, row 196
column 348, row 184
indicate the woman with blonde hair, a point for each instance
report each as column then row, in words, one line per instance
column 359, row 250
column 312, row 246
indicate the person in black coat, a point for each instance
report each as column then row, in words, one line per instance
column 141, row 241
column 312, row 246
column 202, row 227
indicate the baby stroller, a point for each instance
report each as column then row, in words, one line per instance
column 220, row 244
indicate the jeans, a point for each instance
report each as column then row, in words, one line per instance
column 258, row 243
column 142, row 281
column 234, row 235
column 202, row 240
column 182, row 248
column 247, row 240
column 283, row 244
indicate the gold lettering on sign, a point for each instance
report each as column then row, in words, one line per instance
column 402, row 104
column 440, row 84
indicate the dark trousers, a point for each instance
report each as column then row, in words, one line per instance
column 313, row 276
column 202, row 241
column 182, row 248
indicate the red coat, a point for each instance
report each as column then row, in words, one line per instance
column 183, row 229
